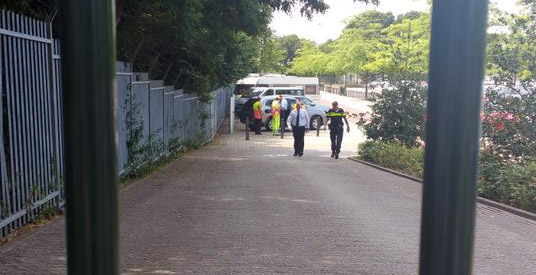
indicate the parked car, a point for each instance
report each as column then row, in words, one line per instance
column 266, row 91
column 317, row 113
column 516, row 91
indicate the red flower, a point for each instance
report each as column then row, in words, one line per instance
column 500, row 116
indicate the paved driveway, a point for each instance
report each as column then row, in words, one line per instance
column 238, row 207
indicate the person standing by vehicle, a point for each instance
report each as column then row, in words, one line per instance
column 299, row 120
column 276, row 116
column 257, row 116
column 285, row 111
column 336, row 128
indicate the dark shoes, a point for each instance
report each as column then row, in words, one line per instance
column 332, row 155
column 298, row 154
column 295, row 154
column 301, row 154
column 336, row 156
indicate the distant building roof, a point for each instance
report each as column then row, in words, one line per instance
column 250, row 80
column 277, row 79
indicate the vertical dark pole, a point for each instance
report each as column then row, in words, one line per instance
column 247, row 127
column 88, row 67
column 282, row 124
column 452, row 140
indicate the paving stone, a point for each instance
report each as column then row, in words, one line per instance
column 238, row 207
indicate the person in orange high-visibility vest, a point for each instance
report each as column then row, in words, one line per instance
column 257, row 116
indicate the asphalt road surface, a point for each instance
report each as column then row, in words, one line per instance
column 238, row 207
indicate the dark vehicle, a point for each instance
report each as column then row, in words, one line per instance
column 317, row 113
column 246, row 111
column 264, row 92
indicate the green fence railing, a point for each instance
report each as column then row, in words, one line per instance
column 456, row 71
column 452, row 138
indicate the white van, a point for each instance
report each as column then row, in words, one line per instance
column 269, row 91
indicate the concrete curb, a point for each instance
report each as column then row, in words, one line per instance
column 481, row 200
column 386, row 169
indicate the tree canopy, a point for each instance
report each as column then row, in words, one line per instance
column 308, row 7
column 309, row 60
column 290, row 44
column 197, row 45
column 509, row 119
column 370, row 20
column 372, row 43
column 40, row 9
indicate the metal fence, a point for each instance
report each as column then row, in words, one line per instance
column 167, row 115
column 358, row 93
column 31, row 127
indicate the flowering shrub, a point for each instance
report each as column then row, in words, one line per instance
column 509, row 125
column 397, row 114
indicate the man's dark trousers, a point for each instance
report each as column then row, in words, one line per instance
column 257, row 124
column 335, row 134
column 299, row 136
column 284, row 118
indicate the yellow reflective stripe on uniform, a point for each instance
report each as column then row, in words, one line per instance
column 334, row 114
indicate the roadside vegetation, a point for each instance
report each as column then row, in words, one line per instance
column 199, row 46
column 195, row 45
column 393, row 155
column 373, row 46
column 395, row 127
column 506, row 182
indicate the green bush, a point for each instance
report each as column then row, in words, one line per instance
column 398, row 115
column 394, row 156
column 508, row 182
column 508, row 128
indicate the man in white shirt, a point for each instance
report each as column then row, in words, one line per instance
column 284, row 112
column 299, row 120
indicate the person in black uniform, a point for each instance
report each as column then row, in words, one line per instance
column 336, row 127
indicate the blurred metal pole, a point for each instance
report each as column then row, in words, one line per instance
column 88, row 74
column 231, row 114
column 247, row 127
column 452, row 138
column 282, row 124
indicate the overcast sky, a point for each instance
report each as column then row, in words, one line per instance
column 330, row 25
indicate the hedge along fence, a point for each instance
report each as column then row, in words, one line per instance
column 505, row 182
column 508, row 182
column 393, row 156
column 157, row 120
column 153, row 120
